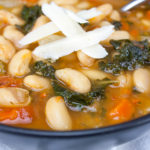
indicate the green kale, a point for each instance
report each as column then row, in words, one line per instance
column 2, row 68
column 131, row 55
column 29, row 15
column 74, row 99
column 44, row 69
column 98, row 88
column 117, row 24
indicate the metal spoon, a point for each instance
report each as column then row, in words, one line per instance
column 131, row 5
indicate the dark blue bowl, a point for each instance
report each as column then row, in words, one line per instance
column 13, row 138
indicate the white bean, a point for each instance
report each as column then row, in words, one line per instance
column 115, row 15
column 83, row 5
column 14, row 97
column 36, row 83
column 139, row 15
column 7, row 50
column 74, row 79
column 68, row 2
column 145, row 22
column 17, row 10
column 57, row 114
column 40, row 21
column 104, row 23
column 95, row 74
column 106, row 9
column 14, row 35
column 41, row 2
column 19, row 64
column 125, row 80
column 141, row 79
column 10, row 18
column 71, row 7
column 118, row 35
column 84, row 59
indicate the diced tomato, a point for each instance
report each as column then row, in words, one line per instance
column 16, row 116
column 122, row 112
column 6, row 81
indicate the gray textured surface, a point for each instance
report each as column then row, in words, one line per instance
column 141, row 143
column 8, row 142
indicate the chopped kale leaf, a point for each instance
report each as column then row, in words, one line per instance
column 71, row 98
column 74, row 99
column 131, row 55
column 117, row 24
column 44, row 69
column 29, row 15
column 99, row 86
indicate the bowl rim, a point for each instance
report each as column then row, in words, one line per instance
column 76, row 133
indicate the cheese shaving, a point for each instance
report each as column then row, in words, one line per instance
column 75, row 17
column 77, row 38
column 57, row 15
column 84, row 15
column 65, row 46
column 88, row 14
column 51, row 28
column 96, row 51
column 70, row 28
column 39, row 33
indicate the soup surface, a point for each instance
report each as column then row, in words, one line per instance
column 78, row 89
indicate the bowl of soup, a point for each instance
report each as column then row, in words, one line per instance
column 73, row 74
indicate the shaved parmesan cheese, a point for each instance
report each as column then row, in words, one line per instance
column 95, row 51
column 49, row 39
column 84, row 15
column 70, row 28
column 88, row 14
column 51, row 28
column 65, row 46
column 77, row 38
column 39, row 33
column 76, row 17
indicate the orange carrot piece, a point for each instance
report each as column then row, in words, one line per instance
column 122, row 112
